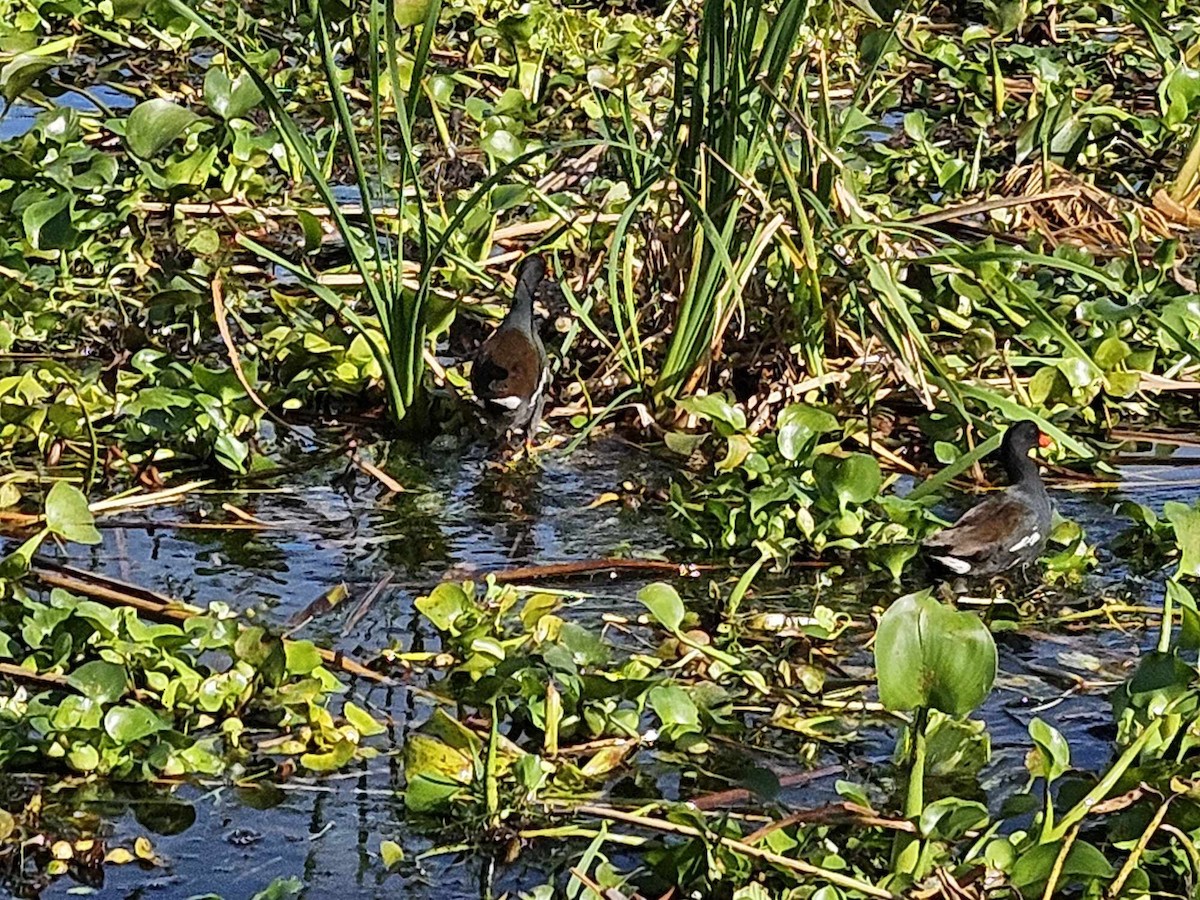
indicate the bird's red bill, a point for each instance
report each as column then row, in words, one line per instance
column 1044, row 440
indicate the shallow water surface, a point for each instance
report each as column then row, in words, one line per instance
column 461, row 514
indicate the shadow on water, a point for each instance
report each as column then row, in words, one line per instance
column 458, row 514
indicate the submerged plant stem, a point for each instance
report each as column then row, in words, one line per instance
column 491, row 783
column 906, row 849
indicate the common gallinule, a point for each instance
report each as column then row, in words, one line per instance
column 510, row 374
column 1005, row 531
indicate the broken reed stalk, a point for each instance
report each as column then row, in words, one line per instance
column 614, row 567
column 577, row 568
column 8, row 670
column 119, row 503
column 795, row 865
column 154, row 605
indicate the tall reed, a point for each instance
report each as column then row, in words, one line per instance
column 720, row 124
column 376, row 251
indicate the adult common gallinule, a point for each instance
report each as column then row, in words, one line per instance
column 1004, row 531
column 510, row 374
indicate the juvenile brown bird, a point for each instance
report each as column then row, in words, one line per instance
column 510, row 374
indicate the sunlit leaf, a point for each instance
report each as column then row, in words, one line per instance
column 848, row 479
column 664, row 604
column 68, row 516
column 798, row 425
column 928, row 655
column 126, row 724
column 717, row 408
column 302, row 657
column 411, row 12
column 1051, row 754
column 364, row 723
column 674, row 707
column 1186, row 522
column 390, row 853
column 331, row 760
column 155, row 123
column 230, row 99
column 444, row 605
column 503, row 145
column 99, row 681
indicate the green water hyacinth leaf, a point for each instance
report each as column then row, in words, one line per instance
column 1178, row 93
column 411, row 12
column 717, row 408
column 301, row 657
column 154, row 124
column 1033, row 869
column 47, row 224
column 21, row 71
column 1186, row 522
column 929, row 656
column 798, row 425
column 364, row 723
column 390, row 853
column 68, row 516
column 126, row 724
column 330, row 761
column 674, row 708
column 445, row 605
column 1050, row 757
column 664, row 604
column 99, row 681
column 503, row 145
column 230, row 98
column 848, row 479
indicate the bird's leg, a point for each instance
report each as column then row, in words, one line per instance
column 999, row 585
column 946, row 591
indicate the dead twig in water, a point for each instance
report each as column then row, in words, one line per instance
column 17, row 673
column 735, row 796
column 365, row 604
column 834, row 814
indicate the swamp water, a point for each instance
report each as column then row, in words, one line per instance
column 459, row 515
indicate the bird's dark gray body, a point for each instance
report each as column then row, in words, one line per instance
column 1004, row 532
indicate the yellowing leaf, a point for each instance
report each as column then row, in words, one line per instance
column 391, row 852
column 363, row 721
column 144, row 849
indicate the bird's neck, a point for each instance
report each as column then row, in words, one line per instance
column 520, row 315
column 1022, row 470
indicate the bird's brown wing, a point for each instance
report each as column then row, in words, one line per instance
column 507, row 366
column 995, row 521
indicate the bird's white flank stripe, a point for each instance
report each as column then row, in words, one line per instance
column 506, row 402
column 1028, row 541
column 954, row 564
